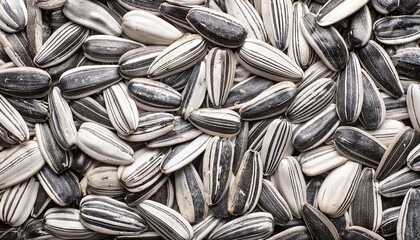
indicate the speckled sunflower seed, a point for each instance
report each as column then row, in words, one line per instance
column 32, row 110
column 15, row 45
column 107, row 215
column 319, row 160
column 407, row 225
column 135, row 63
column 13, row 128
column 25, row 82
column 267, row 61
column 388, row 226
column 360, row 233
column 219, row 122
column 397, row 29
column 318, row 224
column 272, row 201
column 335, row 11
column 103, row 145
column 104, row 181
column 88, row 109
column 398, row 183
column 13, row 15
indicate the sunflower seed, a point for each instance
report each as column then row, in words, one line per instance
column 103, row 145
column 218, row 122
column 257, row 133
column 55, row 17
column 339, row 188
column 147, row 5
column 272, row 201
column 318, row 224
column 165, row 221
column 407, row 226
column 396, row 154
column 267, row 61
column 387, row 131
column 57, row 158
column 277, row 18
column 133, row 199
column 413, row 158
column 14, row 15
column 17, row 202
column 326, row 41
column 359, row 146
column 35, row 30
column 104, row 181
column 57, row 70
column 335, row 11
column 388, row 226
column 107, row 49
column 180, row 55
column 50, row 4
column 397, row 29
column 176, row 14
column 25, row 82
column 41, row 203
column 107, row 215
column 165, row 194
column 93, row 15
column 148, row 28
column 356, row 232
column 84, row 81
column 178, row 81
column 315, row 72
column 88, row 110
column 398, row 183
column 16, row 46
column 405, row 62
column 203, row 228
column 135, row 63
column 360, row 29
column 296, row 233
column 396, row 109
column 13, row 128
column 319, row 160
column 373, row 110
column 314, row 132
column 184, row 153
column 413, row 95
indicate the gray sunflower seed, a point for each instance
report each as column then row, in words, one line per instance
column 194, row 91
column 151, row 125
column 147, row 5
column 356, row 232
column 335, row 11
column 165, row 221
column 315, row 72
column 312, row 189
column 165, row 194
column 277, row 18
column 366, row 208
column 104, row 181
column 217, row 165
column 103, row 145
column 397, row 29
column 318, row 224
column 107, row 49
column 398, row 183
column 359, row 146
column 296, row 233
column 133, row 199
column 413, row 158
column 151, row 95
column 360, row 29
column 387, row 131
column 107, row 215
column 182, row 132
column 388, row 226
column 240, row 144
column 406, row 7
column 272, row 201
column 413, row 96
column 220, row 73
column 350, row 91
column 88, row 110
column 62, row 189
column 135, row 63
column 25, row 82
column 217, row 27
column 219, row 122
column 65, row 223
column 373, row 110
column 148, row 28
column 19, row 163
column 57, row 158
column 339, row 188
column 190, row 194
column 407, row 226
column 267, row 61
column 180, row 55
column 247, row 184
column 50, row 4
column 218, row 5
column 311, row 100
column 203, row 228
column 17, row 202
column 93, row 15
column 13, row 128
column 326, row 41
column 270, row 102
column 61, row 120
column 314, row 132
column 258, row 225
column 405, row 62
column 396, row 154
column 13, row 15
column 184, row 153
column 378, row 64
column 291, row 184
column 320, row 160
column 276, row 144
column 144, row 171
column 385, row 7
column 122, row 110
column 84, row 81
column 35, row 30
column 16, row 46
column 65, row 41
column 176, row 14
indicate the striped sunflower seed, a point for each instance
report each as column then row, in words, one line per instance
column 178, row 81
column 17, row 202
column 57, row 70
column 93, row 15
column 13, row 128
column 387, row 131
column 55, row 17
column 360, row 29
column 366, row 208
column 326, row 41
column 373, row 110
column 267, row 61
column 240, row 144
column 315, row 72
column 257, row 132
column 413, row 96
column 247, row 184
column 359, row 146
column 291, row 184
column 107, row 49
column 86, row 80
column 404, row 61
column 277, row 16
column 407, row 226
column 64, row 42
column 217, row 165
column 195, row 90
column 320, row 160
column 57, row 158
column 103, row 145
column 176, row 14
column 107, row 215
column 388, row 226
column 312, row 189
column 378, row 65
column 221, row 209
column 165, row 221
column 104, row 181
column 413, row 159
column 397, row 29
column 14, row 15
column 339, row 188
column 147, row 5
column 272, row 201
column 189, row 192
column 385, row 7
column 356, row 232
column 41, row 203
column 16, row 46
column 318, row 224
column 203, row 228
column 65, row 223
column 396, row 154
column 148, row 28
column 25, row 82
column 218, row 122
column 133, row 199
column 32, row 110
column 398, row 183
column 88, row 109
column 217, row 27
column 395, row 108
column 134, row 63
column 297, row 233
column 179, row 56
column 333, row 11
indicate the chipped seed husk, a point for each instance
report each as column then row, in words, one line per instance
column 398, row 183
column 407, row 225
column 318, row 224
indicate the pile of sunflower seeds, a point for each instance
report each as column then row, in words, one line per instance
column 217, row 119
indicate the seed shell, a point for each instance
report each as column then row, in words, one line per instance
column 407, row 226
column 218, row 122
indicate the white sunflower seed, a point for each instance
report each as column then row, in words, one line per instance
column 277, row 18
column 320, row 160
column 104, row 181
